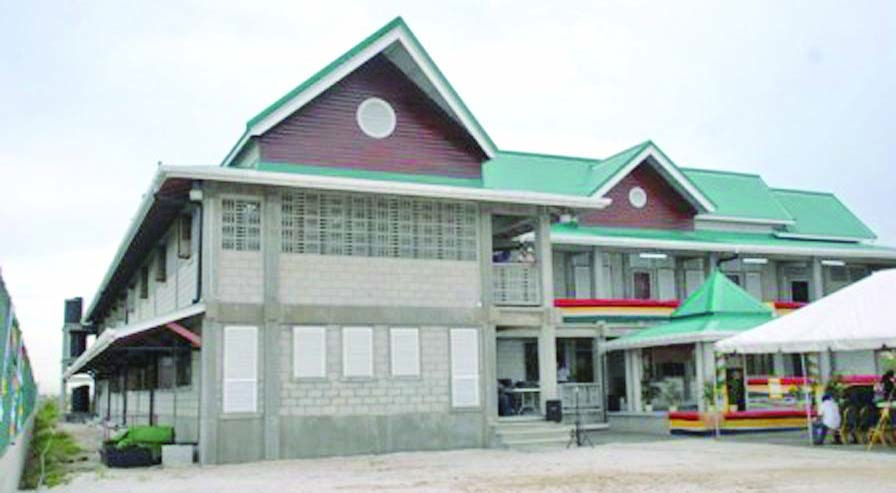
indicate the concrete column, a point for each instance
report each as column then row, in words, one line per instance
column 208, row 393
column 637, row 375
column 273, row 323
column 817, row 280
column 543, row 255
column 699, row 379
column 547, row 363
column 485, row 256
column 600, row 285
column 211, row 332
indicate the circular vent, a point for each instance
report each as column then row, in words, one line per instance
column 637, row 197
column 376, row 118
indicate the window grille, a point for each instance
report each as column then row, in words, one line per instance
column 377, row 226
column 241, row 225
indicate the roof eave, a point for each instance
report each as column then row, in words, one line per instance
column 596, row 240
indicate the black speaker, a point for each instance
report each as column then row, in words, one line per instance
column 554, row 410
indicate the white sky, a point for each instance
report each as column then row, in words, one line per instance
column 94, row 94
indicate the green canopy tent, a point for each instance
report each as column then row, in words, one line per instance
column 716, row 310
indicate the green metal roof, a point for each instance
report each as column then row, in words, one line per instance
column 540, row 173
column 738, row 195
column 719, row 295
column 821, row 214
column 718, row 306
column 720, row 238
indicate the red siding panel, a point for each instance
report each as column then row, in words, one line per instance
column 325, row 132
column 665, row 208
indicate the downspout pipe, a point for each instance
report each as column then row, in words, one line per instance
column 196, row 197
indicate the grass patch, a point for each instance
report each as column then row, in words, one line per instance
column 50, row 450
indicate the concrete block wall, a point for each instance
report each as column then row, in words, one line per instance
column 382, row 394
column 240, row 276
column 372, row 281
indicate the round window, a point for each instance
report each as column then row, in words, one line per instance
column 637, row 197
column 376, row 118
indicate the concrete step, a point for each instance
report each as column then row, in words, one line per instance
column 530, row 433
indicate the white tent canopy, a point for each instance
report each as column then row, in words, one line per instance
column 857, row 317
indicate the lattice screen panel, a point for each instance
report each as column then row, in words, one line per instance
column 377, row 226
column 241, row 225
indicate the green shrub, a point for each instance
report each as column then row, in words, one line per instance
column 50, row 450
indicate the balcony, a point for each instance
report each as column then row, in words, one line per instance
column 516, row 284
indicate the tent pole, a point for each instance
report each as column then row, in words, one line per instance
column 806, row 396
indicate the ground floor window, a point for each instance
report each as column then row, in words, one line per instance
column 240, row 369
column 464, row 367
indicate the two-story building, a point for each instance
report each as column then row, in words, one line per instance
column 367, row 272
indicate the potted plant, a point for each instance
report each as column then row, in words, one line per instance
column 648, row 394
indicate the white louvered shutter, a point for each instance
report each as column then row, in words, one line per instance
column 357, row 351
column 405, row 351
column 465, row 367
column 240, row 369
column 309, row 352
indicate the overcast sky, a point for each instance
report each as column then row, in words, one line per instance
column 94, row 94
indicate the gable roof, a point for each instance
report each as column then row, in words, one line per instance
column 609, row 172
column 739, row 197
column 820, row 215
column 397, row 41
column 718, row 308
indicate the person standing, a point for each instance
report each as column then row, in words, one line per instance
column 829, row 415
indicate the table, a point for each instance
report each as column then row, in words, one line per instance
column 528, row 399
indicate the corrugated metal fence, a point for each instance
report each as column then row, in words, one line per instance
column 18, row 392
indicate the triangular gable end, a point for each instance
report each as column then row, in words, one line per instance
column 649, row 153
column 395, row 41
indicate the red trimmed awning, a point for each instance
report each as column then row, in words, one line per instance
column 619, row 302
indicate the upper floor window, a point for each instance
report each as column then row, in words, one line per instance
column 241, row 225
column 641, row 285
column 637, row 197
column 184, row 236
column 361, row 225
column 144, row 282
column 799, row 291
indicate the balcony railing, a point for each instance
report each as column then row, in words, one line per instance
column 516, row 284
column 590, row 397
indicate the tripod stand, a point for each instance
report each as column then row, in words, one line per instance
column 578, row 434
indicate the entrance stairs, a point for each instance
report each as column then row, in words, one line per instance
column 530, row 433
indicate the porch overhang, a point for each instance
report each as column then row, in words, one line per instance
column 160, row 334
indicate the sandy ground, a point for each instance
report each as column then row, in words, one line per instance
column 684, row 465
